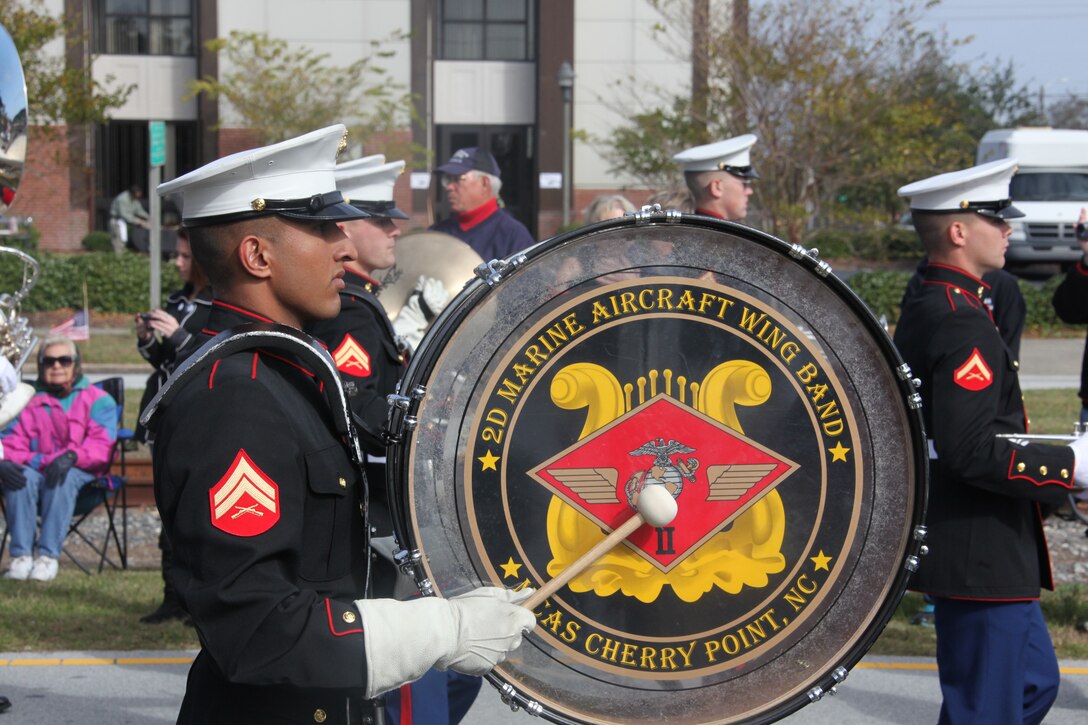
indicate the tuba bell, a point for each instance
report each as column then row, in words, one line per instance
column 17, row 338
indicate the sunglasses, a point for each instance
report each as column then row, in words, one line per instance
column 63, row 361
column 451, row 179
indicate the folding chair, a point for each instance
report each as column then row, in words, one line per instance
column 108, row 492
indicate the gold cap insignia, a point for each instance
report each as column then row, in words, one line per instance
column 342, row 145
column 257, row 204
column 964, row 204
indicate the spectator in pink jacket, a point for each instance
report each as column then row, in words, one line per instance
column 62, row 440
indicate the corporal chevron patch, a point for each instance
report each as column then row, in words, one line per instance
column 352, row 358
column 245, row 502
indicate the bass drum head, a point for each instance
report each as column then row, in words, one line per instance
column 711, row 359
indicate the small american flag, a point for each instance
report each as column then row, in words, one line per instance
column 76, row 327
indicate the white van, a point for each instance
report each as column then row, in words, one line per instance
column 1050, row 188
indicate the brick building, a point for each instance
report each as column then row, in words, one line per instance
column 484, row 72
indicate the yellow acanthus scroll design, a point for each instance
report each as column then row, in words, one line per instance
column 742, row 556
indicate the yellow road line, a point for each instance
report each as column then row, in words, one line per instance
column 70, row 661
column 97, row 661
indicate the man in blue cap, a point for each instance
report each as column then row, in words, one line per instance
column 472, row 183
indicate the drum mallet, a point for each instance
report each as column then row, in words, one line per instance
column 655, row 507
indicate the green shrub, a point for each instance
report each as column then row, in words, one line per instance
column 882, row 291
column 1040, row 312
column 876, row 243
column 97, row 241
column 1067, row 605
column 115, row 283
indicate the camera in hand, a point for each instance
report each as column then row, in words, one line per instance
column 145, row 316
column 1082, row 232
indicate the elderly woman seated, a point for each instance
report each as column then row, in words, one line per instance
column 61, row 440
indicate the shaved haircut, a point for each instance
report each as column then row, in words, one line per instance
column 932, row 228
column 214, row 245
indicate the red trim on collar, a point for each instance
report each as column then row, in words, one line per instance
column 242, row 311
column 285, row 360
column 468, row 219
column 1081, row 269
column 707, row 212
column 964, row 272
column 211, row 378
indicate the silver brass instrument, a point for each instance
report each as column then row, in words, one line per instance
column 1079, row 429
column 17, row 338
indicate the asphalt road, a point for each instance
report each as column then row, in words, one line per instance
column 93, row 688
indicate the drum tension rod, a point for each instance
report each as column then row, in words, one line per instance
column 494, row 271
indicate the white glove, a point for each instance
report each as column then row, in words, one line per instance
column 1080, row 468
column 410, row 322
column 434, row 294
column 469, row 634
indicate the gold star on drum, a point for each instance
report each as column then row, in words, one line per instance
column 710, row 361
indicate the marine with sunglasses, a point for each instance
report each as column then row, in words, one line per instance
column 719, row 176
column 61, row 440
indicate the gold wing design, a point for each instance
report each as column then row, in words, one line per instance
column 728, row 483
column 593, row 485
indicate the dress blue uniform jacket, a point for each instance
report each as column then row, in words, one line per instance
column 265, row 510
column 986, row 536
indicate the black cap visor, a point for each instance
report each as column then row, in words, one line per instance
column 380, row 209
column 742, row 172
column 327, row 207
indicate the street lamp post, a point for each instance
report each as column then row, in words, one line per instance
column 565, row 78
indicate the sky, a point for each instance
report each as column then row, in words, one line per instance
column 1047, row 40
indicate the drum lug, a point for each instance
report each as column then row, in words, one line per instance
column 839, row 675
column 402, row 417
column 815, row 694
column 494, row 271
column 914, row 401
column 654, row 213
column 920, row 533
column 411, row 564
column 508, row 695
column 903, row 372
column 912, row 563
column 821, row 268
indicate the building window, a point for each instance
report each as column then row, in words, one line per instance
column 486, row 30
column 143, row 27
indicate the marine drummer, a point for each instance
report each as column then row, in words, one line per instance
column 719, row 176
column 261, row 493
column 988, row 554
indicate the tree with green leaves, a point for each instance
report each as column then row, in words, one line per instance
column 57, row 92
column 284, row 90
column 849, row 101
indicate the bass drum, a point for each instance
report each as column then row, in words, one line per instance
column 675, row 350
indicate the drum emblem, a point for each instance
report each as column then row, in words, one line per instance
column 741, row 473
column 664, row 471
